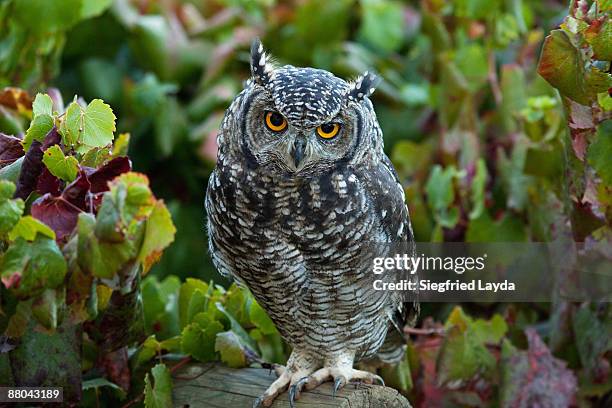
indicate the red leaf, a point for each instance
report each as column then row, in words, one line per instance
column 52, row 138
column 76, row 192
column 99, row 178
column 48, row 183
column 30, row 170
column 534, row 378
column 10, row 149
column 61, row 213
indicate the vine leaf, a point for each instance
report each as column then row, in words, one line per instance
column 232, row 350
column 88, row 127
column 198, row 338
column 28, row 227
column 61, row 166
column 42, row 105
column 61, row 212
column 10, row 209
column 158, row 394
column 159, row 234
column 31, row 267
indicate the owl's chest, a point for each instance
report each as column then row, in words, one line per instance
column 308, row 213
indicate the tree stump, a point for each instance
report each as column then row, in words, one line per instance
column 217, row 386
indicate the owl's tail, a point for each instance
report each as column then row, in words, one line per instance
column 393, row 349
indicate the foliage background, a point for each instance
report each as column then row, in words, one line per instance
column 478, row 137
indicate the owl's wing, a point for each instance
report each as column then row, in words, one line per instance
column 388, row 200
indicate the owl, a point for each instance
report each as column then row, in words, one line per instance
column 301, row 200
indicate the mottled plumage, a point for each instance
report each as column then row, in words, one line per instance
column 298, row 218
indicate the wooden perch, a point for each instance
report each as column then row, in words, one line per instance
column 215, row 385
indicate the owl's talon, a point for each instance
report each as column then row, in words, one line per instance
column 295, row 390
column 338, row 384
column 378, row 379
column 258, row 402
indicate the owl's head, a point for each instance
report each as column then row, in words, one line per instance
column 304, row 121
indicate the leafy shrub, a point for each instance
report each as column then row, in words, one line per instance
column 79, row 228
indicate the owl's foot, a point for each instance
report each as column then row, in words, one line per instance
column 287, row 379
column 341, row 376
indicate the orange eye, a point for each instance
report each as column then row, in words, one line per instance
column 328, row 130
column 275, row 121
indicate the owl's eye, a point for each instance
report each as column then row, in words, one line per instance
column 275, row 121
column 328, row 130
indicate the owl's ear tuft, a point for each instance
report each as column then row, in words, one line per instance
column 363, row 86
column 260, row 64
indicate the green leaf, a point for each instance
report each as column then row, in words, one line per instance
column 96, row 157
column 231, row 349
column 462, row 357
column 12, row 171
column 40, row 126
column 476, row 9
column 93, row 8
column 185, row 294
column 236, row 327
column 45, row 308
column 382, row 24
column 158, row 394
column 260, row 318
column 159, row 233
column 410, row 158
column 101, row 257
column 10, row 209
column 464, row 353
column 600, row 152
column 605, row 101
column 64, row 167
column 563, row 66
column 97, row 383
column 28, row 227
column 441, row 194
column 120, row 147
column 42, row 105
column 485, row 229
column 478, row 189
column 160, row 304
column 490, row 331
column 31, row 267
column 473, row 64
column 197, row 304
column 198, row 338
column 42, row 16
column 92, row 126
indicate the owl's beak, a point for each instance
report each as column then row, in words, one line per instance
column 299, row 147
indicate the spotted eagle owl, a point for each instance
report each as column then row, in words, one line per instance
column 301, row 191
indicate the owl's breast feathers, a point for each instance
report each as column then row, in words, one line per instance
column 338, row 211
